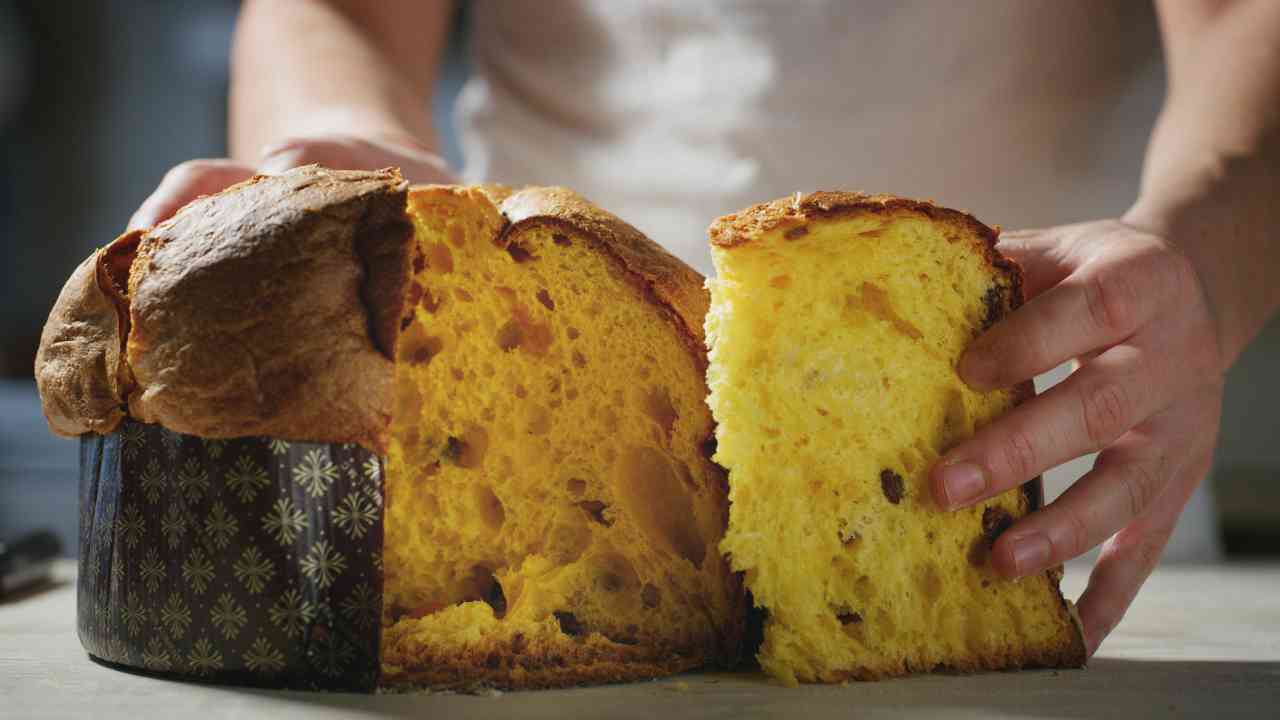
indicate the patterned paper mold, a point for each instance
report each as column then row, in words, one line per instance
column 250, row 561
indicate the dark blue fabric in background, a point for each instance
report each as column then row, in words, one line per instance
column 38, row 471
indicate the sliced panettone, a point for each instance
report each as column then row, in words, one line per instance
column 552, row 516
column 531, row 367
column 835, row 326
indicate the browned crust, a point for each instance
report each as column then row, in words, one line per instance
column 676, row 289
column 79, row 365
column 270, row 308
column 589, row 661
column 792, row 215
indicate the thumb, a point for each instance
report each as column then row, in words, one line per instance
column 1040, row 254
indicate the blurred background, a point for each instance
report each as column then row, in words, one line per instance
column 99, row 99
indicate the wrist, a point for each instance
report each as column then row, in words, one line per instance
column 1220, row 212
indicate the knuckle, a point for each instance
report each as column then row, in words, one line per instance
column 1142, row 483
column 1110, row 299
column 1105, row 409
column 189, row 170
column 1018, row 455
column 1077, row 536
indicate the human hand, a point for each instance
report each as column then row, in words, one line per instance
column 193, row 178
column 1131, row 309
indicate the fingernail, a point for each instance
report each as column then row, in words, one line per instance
column 962, row 483
column 1030, row 553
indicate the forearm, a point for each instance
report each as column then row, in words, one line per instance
column 1211, row 183
column 304, row 67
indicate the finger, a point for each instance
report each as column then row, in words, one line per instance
column 184, row 183
column 1040, row 255
column 1085, row 412
column 347, row 153
column 1128, row 558
column 1124, row 481
column 1094, row 307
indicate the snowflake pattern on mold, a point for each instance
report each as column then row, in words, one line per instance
column 322, row 564
column 315, row 473
column 201, row 540
column 355, row 515
column 228, row 616
column 285, row 521
column 253, row 570
column 263, row 658
column 245, row 479
column 197, row 571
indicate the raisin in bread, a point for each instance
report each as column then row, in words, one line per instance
column 531, row 366
column 835, row 325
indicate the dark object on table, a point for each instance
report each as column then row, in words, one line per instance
column 27, row 561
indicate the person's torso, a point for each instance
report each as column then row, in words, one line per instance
column 670, row 113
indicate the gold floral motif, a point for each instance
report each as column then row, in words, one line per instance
column 220, row 526
column 193, row 480
column 323, row 564
column 228, row 616
column 253, row 570
column 355, row 515
column 174, row 525
column 153, row 482
column 197, row 570
column 175, row 616
column 263, row 658
column 291, row 614
column 133, row 614
column 284, row 521
column 315, row 473
column 156, row 656
column 131, row 526
column 204, row 658
column 362, row 607
column 152, row 570
column 245, row 479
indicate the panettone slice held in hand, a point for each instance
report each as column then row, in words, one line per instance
column 835, row 325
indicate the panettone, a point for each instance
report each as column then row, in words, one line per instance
column 835, row 325
column 530, row 367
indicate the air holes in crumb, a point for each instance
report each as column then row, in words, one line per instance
column 489, row 508
column 462, row 295
column 849, row 618
column 457, row 374
column 539, row 420
column 419, row 263
column 416, row 347
column 520, row 392
column 489, row 590
column 650, row 596
column 576, row 486
column 414, row 294
column 561, row 240
column 657, row 405
column 595, row 511
column 430, row 303
column 651, row 494
column 457, row 236
column 544, row 297
column 519, row 254
column 579, row 360
column 569, row 624
column 440, row 259
column 573, row 333
column 892, row 486
column 509, row 336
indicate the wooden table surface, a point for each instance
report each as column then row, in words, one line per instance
column 1199, row 642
